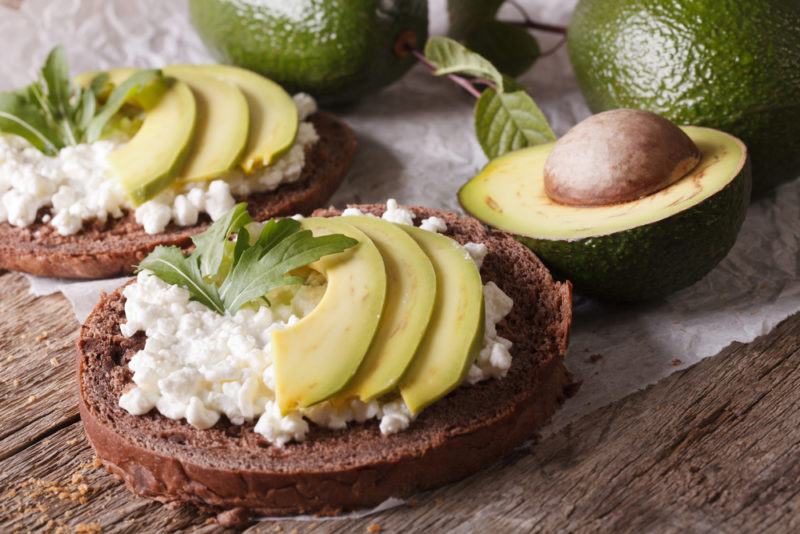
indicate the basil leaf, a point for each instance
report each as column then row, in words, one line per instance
column 19, row 116
column 170, row 265
column 451, row 57
column 121, row 94
column 258, row 272
column 509, row 121
column 55, row 74
column 510, row 48
column 211, row 246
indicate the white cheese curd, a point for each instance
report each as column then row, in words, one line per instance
column 78, row 184
column 198, row 365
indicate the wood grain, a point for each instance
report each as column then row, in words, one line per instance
column 711, row 448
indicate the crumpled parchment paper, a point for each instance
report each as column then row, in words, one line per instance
column 417, row 145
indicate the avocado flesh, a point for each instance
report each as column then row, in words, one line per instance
column 410, row 295
column 317, row 357
column 155, row 155
column 336, row 50
column 455, row 332
column 273, row 114
column 223, row 124
column 626, row 252
column 725, row 64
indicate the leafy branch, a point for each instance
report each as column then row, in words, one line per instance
column 52, row 112
column 506, row 117
column 228, row 269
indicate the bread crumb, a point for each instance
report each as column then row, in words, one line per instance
column 374, row 528
column 54, row 361
column 71, row 442
column 16, row 382
column 9, row 358
column 96, row 463
column 88, row 528
column 277, row 528
column 32, row 399
column 41, row 337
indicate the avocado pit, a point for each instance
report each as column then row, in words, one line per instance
column 618, row 156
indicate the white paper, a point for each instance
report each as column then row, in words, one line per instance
column 416, row 144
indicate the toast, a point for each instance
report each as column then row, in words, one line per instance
column 103, row 250
column 232, row 470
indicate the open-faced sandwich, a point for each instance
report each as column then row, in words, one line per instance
column 323, row 364
column 97, row 172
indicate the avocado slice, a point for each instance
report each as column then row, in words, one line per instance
column 223, row 124
column 316, row 357
column 273, row 114
column 410, row 295
column 455, row 332
column 155, row 155
column 724, row 64
column 631, row 251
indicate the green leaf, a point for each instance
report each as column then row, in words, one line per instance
column 451, row 57
column 121, row 94
column 276, row 230
column 467, row 15
column 55, row 74
column 258, row 272
column 171, row 266
column 87, row 104
column 510, row 48
column 509, row 121
column 211, row 246
column 20, row 116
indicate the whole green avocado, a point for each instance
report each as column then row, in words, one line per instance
column 733, row 65
column 336, row 50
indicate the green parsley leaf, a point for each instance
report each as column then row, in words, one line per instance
column 22, row 117
column 509, row 121
column 451, row 57
column 259, row 271
column 212, row 245
column 170, row 265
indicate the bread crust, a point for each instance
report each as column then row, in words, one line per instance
column 103, row 250
column 336, row 471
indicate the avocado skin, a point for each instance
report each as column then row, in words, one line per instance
column 728, row 64
column 336, row 50
column 651, row 261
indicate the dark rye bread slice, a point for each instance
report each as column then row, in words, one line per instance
column 234, row 471
column 102, row 250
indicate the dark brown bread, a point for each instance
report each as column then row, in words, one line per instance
column 231, row 469
column 114, row 248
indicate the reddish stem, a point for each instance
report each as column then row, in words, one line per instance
column 533, row 25
column 463, row 82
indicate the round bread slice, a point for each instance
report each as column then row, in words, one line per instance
column 234, row 471
column 114, row 248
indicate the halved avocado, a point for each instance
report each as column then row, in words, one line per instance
column 155, row 155
column 410, row 295
column 632, row 251
column 223, row 124
column 273, row 114
column 316, row 357
column 455, row 332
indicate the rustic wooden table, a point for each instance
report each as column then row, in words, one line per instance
column 714, row 448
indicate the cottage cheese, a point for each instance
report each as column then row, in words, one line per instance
column 198, row 365
column 78, row 184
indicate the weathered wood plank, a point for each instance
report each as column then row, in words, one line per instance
column 714, row 447
column 37, row 338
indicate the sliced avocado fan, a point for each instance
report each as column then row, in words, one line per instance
column 632, row 251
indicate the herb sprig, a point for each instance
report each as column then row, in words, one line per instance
column 225, row 274
column 52, row 112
